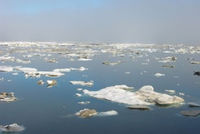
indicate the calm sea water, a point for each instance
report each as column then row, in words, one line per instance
column 45, row 110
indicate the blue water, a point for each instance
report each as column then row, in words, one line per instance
column 45, row 110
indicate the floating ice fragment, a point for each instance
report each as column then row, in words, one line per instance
column 82, row 83
column 182, row 94
column 144, row 96
column 84, row 59
column 79, row 95
column 51, row 83
column 108, row 113
column 79, row 89
column 83, row 102
column 195, row 62
column 192, row 104
column 111, row 63
column 171, row 91
column 85, row 113
column 6, row 69
column 192, row 113
column 7, row 97
column 168, row 59
column 159, row 74
column 40, row 82
column 12, row 128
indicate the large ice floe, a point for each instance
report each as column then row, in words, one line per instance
column 144, row 96
column 33, row 72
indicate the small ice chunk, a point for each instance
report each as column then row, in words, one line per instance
column 7, row 97
column 6, row 69
column 111, row 63
column 182, row 94
column 108, row 113
column 79, row 89
column 84, row 59
column 195, row 62
column 83, row 102
column 159, row 74
column 127, row 72
column 40, row 82
column 79, row 95
column 62, row 70
column 193, row 113
column 51, row 83
column 85, row 113
column 12, row 128
column 171, row 91
column 192, row 104
column 82, row 83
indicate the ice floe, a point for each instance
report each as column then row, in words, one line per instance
column 51, row 83
column 6, row 69
column 7, row 97
column 12, row 128
column 82, row 83
column 84, row 102
column 144, row 96
column 108, row 113
column 159, row 74
column 86, row 113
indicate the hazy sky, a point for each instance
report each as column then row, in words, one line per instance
column 145, row 21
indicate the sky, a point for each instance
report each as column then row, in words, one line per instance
column 129, row 21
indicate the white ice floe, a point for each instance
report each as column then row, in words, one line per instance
column 82, row 83
column 86, row 113
column 12, row 128
column 44, row 73
column 84, row 102
column 144, row 96
column 79, row 69
column 159, row 74
column 62, row 70
column 180, row 93
column 13, row 59
column 26, row 69
column 108, row 113
column 51, row 83
column 79, row 95
column 33, row 72
column 7, row 97
column 167, row 59
column 195, row 62
column 79, row 89
column 171, row 91
column 6, row 69
column 84, row 59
